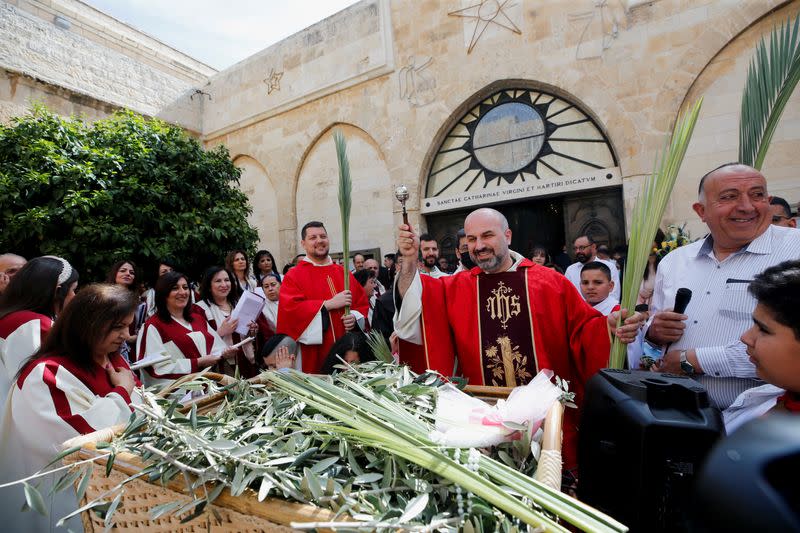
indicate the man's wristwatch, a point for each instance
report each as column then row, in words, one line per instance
column 686, row 366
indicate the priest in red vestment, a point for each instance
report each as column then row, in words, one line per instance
column 504, row 320
column 312, row 300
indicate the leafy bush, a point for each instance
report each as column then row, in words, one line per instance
column 122, row 187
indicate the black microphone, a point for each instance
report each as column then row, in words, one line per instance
column 682, row 299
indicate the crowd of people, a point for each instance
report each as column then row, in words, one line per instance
column 496, row 318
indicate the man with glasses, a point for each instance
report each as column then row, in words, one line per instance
column 586, row 252
column 781, row 213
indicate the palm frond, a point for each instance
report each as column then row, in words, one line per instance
column 771, row 78
column 345, row 188
column 380, row 348
column 647, row 213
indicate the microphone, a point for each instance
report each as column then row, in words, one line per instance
column 682, row 299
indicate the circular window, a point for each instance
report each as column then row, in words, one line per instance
column 517, row 135
column 508, row 137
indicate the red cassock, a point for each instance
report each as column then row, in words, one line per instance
column 569, row 337
column 304, row 289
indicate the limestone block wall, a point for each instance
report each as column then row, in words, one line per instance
column 716, row 137
column 631, row 64
column 96, row 57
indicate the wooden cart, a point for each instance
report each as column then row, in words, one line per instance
column 243, row 513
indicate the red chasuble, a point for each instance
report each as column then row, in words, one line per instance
column 523, row 322
column 304, row 289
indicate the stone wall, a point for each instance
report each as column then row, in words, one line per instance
column 632, row 65
column 716, row 137
column 71, row 46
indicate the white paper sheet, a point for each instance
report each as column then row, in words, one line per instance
column 247, row 310
column 150, row 360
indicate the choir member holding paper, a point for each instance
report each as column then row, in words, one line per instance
column 217, row 301
column 179, row 330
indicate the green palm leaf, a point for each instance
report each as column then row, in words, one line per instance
column 771, row 79
column 345, row 188
column 647, row 214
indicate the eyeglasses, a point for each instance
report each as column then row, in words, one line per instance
column 582, row 248
column 778, row 218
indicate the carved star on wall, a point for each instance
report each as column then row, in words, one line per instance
column 486, row 12
column 273, row 81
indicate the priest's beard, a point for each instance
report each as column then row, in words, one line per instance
column 430, row 261
column 490, row 264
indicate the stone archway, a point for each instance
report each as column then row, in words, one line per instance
column 716, row 136
column 371, row 218
column 258, row 187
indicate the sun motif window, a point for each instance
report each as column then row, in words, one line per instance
column 515, row 136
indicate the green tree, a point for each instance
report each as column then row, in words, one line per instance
column 122, row 187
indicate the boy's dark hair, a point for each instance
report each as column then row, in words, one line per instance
column 597, row 265
column 778, row 289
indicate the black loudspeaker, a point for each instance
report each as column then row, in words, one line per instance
column 643, row 437
column 750, row 479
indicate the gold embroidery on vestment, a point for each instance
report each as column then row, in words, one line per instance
column 506, row 363
column 503, row 305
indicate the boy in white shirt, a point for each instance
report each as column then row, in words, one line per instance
column 596, row 287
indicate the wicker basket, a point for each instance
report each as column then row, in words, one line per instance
column 243, row 513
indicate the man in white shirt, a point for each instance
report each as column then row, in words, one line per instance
column 585, row 252
column 704, row 341
column 429, row 250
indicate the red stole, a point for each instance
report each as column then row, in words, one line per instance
column 569, row 336
column 303, row 291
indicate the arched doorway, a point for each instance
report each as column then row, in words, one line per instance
column 371, row 229
column 536, row 156
column 256, row 184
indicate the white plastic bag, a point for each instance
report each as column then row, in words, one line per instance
column 466, row 422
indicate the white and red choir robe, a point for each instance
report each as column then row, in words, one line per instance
column 442, row 317
column 184, row 342
column 53, row 400
column 270, row 313
column 21, row 335
column 303, row 291
column 245, row 355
